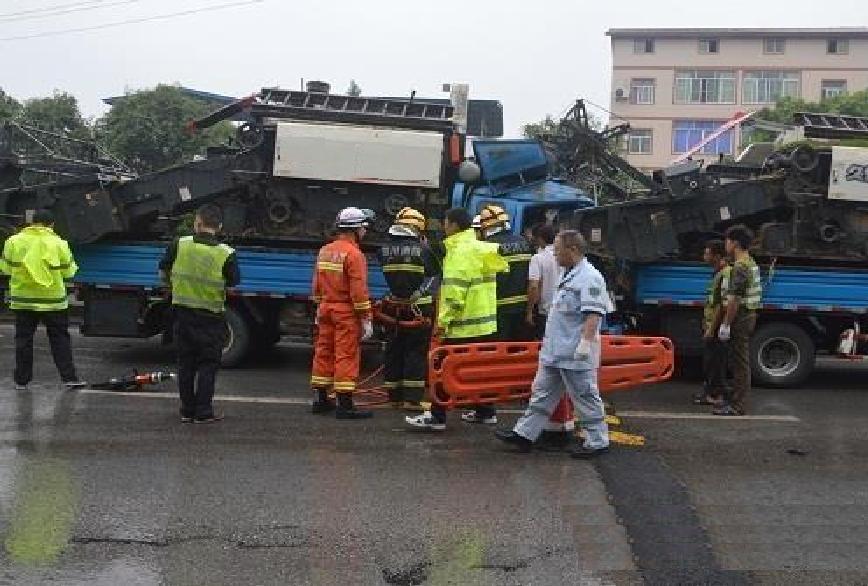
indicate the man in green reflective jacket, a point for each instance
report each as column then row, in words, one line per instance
column 38, row 261
column 199, row 268
column 467, row 310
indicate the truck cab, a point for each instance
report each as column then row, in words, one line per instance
column 514, row 174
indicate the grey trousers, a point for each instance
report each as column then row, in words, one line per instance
column 548, row 388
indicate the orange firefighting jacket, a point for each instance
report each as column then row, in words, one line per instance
column 341, row 275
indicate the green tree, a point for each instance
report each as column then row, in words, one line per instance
column 147, row 128
column 58, row 113
column 354, row 89
column 854, row 104
column 9, row 106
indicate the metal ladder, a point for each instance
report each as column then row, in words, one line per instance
column 831, row 125
column 280, row 103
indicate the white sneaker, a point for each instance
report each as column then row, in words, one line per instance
column 72, row 385
column 20, row 387
column 425, row 421
column 473, row 417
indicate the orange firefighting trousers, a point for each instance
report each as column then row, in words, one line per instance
column 337, row 351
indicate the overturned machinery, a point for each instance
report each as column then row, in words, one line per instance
column 298, row 159
column 807, row 203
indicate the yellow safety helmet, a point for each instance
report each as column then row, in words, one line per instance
column 493, row 216
column 411, row 218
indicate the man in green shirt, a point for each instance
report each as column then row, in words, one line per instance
column 743, row 297
column 714, row 360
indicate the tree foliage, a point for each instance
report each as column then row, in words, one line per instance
column 854, row 104
column 9, row 106
column 58, row 113
column 146, row 128
column 354, row 89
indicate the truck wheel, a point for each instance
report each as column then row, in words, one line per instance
column 237, row 338
column 782, row 355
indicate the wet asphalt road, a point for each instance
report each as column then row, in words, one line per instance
column 111, row 489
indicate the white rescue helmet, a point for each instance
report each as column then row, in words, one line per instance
column 354, row 218
column 476, row 224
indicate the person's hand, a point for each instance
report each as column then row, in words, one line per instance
column 367, row 329
column 583, row 350
column 708, row 333
column 723, row 334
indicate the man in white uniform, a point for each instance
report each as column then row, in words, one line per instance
column 570, row 354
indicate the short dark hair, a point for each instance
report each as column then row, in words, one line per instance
column 460, row 217
column 545, row 232
column 573, row 239
column 741, row 235
column 210, row 215
column 43, row 217
column 715, row 246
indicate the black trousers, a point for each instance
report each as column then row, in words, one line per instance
column 438, row 413
column 406, row 366
column 714, row 366
column 511, row 327
column 200, row 337
column 57, row 328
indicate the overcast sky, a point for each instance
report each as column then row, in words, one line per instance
column 533, row 56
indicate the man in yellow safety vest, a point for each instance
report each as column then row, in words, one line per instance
column 199, row 268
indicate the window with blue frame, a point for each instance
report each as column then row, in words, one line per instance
column 686, row 134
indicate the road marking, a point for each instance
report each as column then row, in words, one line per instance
column 225, row 398
column 301, row 401
column 702, row 416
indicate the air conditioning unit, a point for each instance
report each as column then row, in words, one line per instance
column 622, row 94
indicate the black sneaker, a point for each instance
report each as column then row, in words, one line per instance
column 582, row 453
column 72, row 385
column 216, row 418
column 521, row 443
column 185, row 419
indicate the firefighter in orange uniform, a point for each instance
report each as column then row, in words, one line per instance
column 340, row 289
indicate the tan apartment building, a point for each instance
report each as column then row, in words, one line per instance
column 677, row 86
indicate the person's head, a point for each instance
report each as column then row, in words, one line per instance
column 714, row 252
column 42, row 218
column 208, row 219
column 354, row 221
column 569, row 248
column 738, row 239
column 456, row 220
column 494, row 219
column 543, row 235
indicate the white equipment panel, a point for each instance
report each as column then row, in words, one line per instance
column 848, row 177
column 358, row 154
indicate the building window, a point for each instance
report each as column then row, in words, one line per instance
column 643, row 45
column 773, row 46
column 832, row 88
column 709, row 46
column 642, row 91
column 705, row 87
column 686, row 134
column 639, row 142
column 837, row 47
column 767, row 87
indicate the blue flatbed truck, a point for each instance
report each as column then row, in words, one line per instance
column 122, row 296
column 804, row 312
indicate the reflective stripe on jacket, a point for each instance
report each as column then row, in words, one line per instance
column 197, row 275
column 468, row 291
column 37, row 261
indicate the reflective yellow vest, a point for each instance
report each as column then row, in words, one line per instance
column 468, row 291
column 197, row 275
column 753, row 295
column 37, row 261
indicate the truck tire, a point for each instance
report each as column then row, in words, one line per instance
column 238, row 338
column 781, row 355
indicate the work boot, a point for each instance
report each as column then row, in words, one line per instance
column 322, row 403
column 346, row 409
